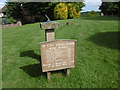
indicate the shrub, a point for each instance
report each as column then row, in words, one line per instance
column 61, row 11
column 72, row 11
column 4, row 21
column 92, row 14
column 11, row 20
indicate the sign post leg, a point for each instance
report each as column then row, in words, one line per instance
column 49, row 76
column 49, row 35
column 68, row 72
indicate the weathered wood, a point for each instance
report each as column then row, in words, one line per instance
column 49, row 76
column 68, row 71
column 49, row 25
column 49, row 35
column 57, row 55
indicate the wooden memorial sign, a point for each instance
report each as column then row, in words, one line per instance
column 58, row 54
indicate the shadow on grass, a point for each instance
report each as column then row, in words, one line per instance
column 34, row 70
column 107, row 39
column 31, row 54
column 62, row 72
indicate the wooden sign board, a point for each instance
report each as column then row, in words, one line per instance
column 58, row 54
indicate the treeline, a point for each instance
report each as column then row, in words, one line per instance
column 54, row 10
column 110, row 8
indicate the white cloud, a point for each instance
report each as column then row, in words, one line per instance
column 92, row 5
column 1, row 5
column 93, row 1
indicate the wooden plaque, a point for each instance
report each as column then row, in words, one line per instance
column 58, row 54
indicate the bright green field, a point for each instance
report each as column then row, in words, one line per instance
column 96, row 55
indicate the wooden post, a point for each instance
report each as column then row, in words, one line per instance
column 68, row 71
column 49, row 35
column 49, row 76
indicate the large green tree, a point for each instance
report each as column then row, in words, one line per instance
column 14, row 10
column 110, row 8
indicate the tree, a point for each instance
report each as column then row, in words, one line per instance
column 14, row 10
column 110, row 8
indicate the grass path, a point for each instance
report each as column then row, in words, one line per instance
column 96, row 57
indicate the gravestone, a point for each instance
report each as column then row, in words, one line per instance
column 58, row 54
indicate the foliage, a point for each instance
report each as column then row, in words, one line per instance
column 72, row 11
column 92, row 13
column 10, row 20
column 14, row 10
column 50, row 11
column 36, row 8
column 110, row 8
column 79, row 5
column 3, row 21
column 61, row 11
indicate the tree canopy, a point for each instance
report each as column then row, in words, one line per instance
column 35, row 8
column 14, row 10
column 110, row 8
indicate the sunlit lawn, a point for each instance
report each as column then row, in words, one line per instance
column 96, row 55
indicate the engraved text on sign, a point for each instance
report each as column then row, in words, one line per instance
column 58, row 54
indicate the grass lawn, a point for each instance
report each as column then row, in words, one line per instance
column 96, row 55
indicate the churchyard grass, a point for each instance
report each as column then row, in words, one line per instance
column 97, row 52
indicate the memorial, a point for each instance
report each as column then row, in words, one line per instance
column 56, row 54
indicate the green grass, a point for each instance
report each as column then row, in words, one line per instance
column 96, row 55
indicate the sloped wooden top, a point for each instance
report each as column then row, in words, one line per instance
column 49, row 25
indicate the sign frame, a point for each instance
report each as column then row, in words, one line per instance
column 43, row 59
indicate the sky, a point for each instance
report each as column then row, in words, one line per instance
column 2, row 3
column 90, row 5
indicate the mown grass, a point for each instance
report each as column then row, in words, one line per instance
column 97, row 64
